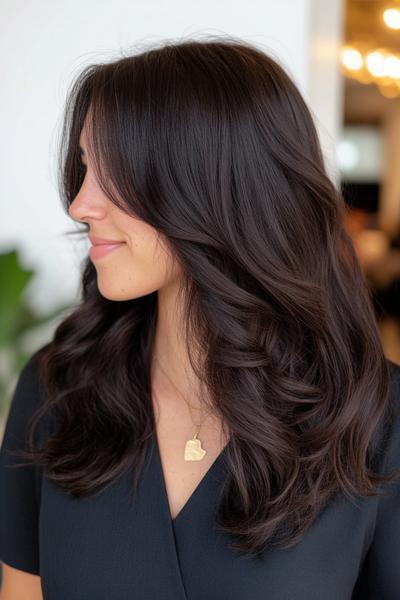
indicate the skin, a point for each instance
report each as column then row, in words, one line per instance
column 19, row 584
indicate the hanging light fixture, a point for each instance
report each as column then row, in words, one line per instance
column 373, row 65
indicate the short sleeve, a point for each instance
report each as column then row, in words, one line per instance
column 379, row 578
column 20, row 486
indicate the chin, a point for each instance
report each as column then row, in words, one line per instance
column 113, row 293
column 118, row 293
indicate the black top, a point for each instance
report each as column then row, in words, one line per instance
column 114, row 547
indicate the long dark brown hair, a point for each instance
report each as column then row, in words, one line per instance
column 211, row 143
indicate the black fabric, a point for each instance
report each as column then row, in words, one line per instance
column 115, row 547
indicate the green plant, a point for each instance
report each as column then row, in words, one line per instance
column 17, row 319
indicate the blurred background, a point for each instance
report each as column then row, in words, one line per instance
column 343, row 55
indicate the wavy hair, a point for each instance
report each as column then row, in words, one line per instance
column 211, row 143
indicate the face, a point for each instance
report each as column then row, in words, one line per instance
column 137, row 267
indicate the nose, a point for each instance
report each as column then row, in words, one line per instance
column 87, row 205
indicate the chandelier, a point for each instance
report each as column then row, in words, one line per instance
column 367, row 64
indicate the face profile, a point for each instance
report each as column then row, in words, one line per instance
column 141, row 264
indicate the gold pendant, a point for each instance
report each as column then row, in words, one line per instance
column 193, row 449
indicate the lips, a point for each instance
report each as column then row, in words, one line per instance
column 98, row 241
column 99, row 250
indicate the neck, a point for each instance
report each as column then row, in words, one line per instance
column 172, row 374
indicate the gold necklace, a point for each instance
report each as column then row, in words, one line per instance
column 193, row 449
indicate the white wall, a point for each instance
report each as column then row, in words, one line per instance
column 44, row 44
column 325, row 85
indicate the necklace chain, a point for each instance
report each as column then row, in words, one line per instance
column 193, row 449
column 182, row 396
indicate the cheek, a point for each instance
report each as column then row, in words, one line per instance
column 141, row 268
column 149, row 251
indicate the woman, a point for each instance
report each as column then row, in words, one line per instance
column 216, row 419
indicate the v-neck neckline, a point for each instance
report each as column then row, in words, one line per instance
column 197, row 490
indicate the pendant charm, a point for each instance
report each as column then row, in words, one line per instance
column 193, row 449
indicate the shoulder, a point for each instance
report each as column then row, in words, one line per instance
column 27, row 398
column 380, row 576
column 20, row 488
column 28, row 383
column 389, row 429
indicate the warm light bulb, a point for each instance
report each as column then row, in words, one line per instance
column 375, row 62
column 352, row 59
column 392, row 67
column 391, row 16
